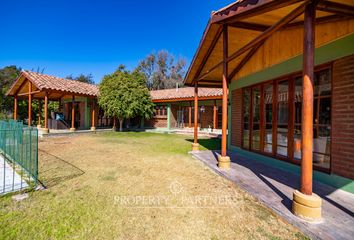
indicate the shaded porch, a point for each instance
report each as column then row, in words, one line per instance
column 274, row 187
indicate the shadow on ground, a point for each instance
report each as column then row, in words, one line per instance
column 54, row 170
column 208, row 143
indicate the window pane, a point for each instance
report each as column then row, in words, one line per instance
column 246, row 117
column 268, row 118
column 256, row 118
column 298, row 115
column 325, row 111
column 283, row 113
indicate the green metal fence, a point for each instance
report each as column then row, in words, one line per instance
column 18, row 156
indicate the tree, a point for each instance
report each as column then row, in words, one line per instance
column 8, row 75
column 162, row 71
column 82, row 78
column 123, row 94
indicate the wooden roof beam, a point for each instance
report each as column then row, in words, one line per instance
column 207, row 55
column 263, row 36
column 244, row 61
column 250, row 26
column 337, row 8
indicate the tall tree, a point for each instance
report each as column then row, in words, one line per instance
column 162, row 71
column 123, row 95
column 82, row 78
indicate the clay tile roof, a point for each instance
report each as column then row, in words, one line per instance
column 186, row 92
column 43, row 81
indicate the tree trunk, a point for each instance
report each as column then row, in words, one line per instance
column 121, row 124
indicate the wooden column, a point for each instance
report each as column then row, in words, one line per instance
column 190, row 115
column 306, row 204
column 224, row 92
column 46, row 110
column 15, row 107
column 93, row 116
column 307, row 101
column 73, row 114
column 195, row 145
column 215, row 116
column 39, row 113
column 29, row 103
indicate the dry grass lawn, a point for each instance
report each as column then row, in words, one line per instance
column 88, row 176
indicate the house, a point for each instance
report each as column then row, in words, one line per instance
column 174, row 108
column 287, row 70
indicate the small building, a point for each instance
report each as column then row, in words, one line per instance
column 175, row 107
column 77, row 102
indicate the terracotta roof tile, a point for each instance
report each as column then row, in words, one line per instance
column 186, row 92
column 43, row 81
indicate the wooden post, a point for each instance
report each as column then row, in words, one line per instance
column 223, row 159
column 114, row 123
column 195, row 145
column 39, row 113
column 72, row 129
column 215, row 116
column 224, row 91
column 190, row 115
column 15, row 107
column 93, row 116
column 306, row 204
column 29, row 103
column 46, row 112
column 307, row 101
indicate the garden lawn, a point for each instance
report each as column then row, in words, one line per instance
column 93, row 183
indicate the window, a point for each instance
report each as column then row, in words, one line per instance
column 246, row 118
column 272, row 116
column 268, row 118
column 160, row 111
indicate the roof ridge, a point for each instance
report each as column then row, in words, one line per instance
column 27, row 71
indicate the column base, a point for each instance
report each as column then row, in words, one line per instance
column 224, row 162
column 93, row 129
column 45, row 130
column 39, row 126
column 72, row 129
column 195, row 146
column 307, row 207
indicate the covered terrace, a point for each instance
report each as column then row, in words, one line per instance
column 248, row 38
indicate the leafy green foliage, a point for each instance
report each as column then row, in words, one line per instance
column 124, row 95
column 82, row 78
column 7, row 77
column 162, row 71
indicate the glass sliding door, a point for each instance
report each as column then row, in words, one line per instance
column 282, row 118
column 256, row 118
column 246, row 118
column 268, row 118
column 297, row 120
column 322, row 119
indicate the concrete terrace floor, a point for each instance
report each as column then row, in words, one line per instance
column 274, row 187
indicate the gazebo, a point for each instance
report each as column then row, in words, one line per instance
column 30, row 85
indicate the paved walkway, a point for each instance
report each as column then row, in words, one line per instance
column 10, row 180
column 274, row 187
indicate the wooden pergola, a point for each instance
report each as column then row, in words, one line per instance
column 249, row 36
column 31, row 85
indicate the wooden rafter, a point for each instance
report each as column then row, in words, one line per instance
column 263, row 36
column 244, row 61
column 210, row 50
column 337, row 8
column 250, row 26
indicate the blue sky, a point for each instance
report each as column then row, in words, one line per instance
column 72, row 37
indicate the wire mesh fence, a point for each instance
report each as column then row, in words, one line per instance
column 18, row 156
